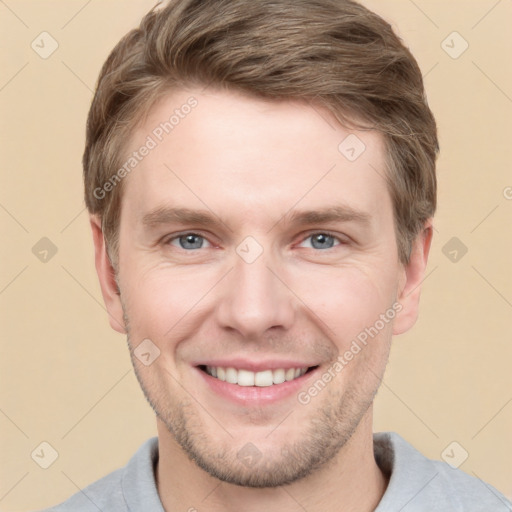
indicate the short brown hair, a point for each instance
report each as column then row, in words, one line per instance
column 332, row 53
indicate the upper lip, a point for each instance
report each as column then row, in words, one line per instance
column 255, row 366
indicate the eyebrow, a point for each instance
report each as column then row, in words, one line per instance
column 329, row 214
column 168, row 215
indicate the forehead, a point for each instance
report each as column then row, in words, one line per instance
column 226, row 151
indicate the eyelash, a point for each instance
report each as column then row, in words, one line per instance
column 340, row 240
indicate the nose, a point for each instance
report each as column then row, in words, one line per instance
column 255, row 299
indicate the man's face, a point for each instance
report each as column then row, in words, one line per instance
column 250, row 241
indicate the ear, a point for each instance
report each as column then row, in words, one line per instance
column 410, row 282
column 106, row 275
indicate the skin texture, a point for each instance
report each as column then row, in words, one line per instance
column 251, row 164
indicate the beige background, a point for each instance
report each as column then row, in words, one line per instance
column 66, row 378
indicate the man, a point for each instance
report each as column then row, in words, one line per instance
column 260, row 177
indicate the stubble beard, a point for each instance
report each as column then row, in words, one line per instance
column 326, row 431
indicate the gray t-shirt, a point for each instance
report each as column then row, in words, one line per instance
column 416, row 484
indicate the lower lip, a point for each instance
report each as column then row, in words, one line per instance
column 256, row 395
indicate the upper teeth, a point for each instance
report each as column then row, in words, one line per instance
column 248, row 378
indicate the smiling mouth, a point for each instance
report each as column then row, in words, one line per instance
column 263, row 378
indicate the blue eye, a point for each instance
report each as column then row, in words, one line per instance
column 188, row 241
column 322, row 241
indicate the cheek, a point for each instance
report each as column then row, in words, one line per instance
column 347, row 300
column 159, row 300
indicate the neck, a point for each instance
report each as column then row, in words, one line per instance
column 350, row 482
